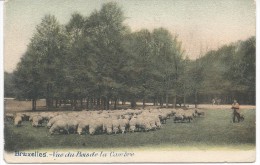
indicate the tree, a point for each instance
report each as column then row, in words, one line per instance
column 105, row 31
column 41, row 68
column 27, row 79
column 168, row 53
column 9, row 89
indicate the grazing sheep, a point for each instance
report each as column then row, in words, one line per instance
column 83, row 125
column 9, row 116
column 37, row 121
column 188, row 116
column 123, row 125
column 32, row 115
column 115, row 124
column 18, row 121
column 108, row 126
column 157, row 122
column 163, row 117
column 72, row 125
column 95, row 126
column 58, row 126
column 178, row 117
column 54, row 119
column 132, row 124
column 144, row 125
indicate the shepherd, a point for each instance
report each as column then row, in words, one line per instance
column 236, row 113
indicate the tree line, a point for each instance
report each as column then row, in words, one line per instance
column 97, row 60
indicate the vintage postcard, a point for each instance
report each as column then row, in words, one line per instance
column 118, row 81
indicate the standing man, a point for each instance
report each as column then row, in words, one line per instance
column 236, row 114
column 213, row 101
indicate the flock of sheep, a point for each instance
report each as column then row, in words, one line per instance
column 95, row 122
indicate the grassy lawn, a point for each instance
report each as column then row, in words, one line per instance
column 212, row 131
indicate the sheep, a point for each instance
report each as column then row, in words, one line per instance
column 60, row 125
column 9, row 116
column 132, row 124
column 115, row 124
column 45, row 116
column 37, row 121
column 72, row 125
column 143, row 124
column 26, row 116
column 178, row 117
column 153, row 122
column 23, row 115
column 95, row 126
column 83, row 125
column 54, row 119
column 163, row 117
column 18, row 121
column 188, row 116
column 32, row 115
column 108, row 126
column 123, row 125
column 157, row 122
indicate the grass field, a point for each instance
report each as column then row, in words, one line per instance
column 212, row 131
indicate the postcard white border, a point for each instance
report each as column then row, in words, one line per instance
column 257, row 87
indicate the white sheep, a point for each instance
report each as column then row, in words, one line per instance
column 95, row 126
column 18, row 121
column 108, row 126
column 54, row 119
column 60, row 125
column 143, row 124
column 83, row 125
column 115, row 124
column 178, row 117
column 188, row 115
column 123, row 124
column 37, row 121
column 132, row 124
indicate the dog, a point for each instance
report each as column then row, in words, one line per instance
column 241, row 117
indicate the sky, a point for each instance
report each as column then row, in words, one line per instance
column 201, row 25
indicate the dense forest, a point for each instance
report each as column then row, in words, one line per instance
column 97, row 60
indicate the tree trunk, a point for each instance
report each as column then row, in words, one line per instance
column 196, row 99
column 81, row 103
column 56, row 103
column 98, row 103
column 52, row 102
column 167, row 100
column 104, row 103
column 161, row 101
column 133, row 103
column 107, row 103
column 94, row 103
column 184, row 100
column 174, row 101
column 115, row 104
column 48, row 96
column 123, row 101
column 87, row 106
column 34, row 104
